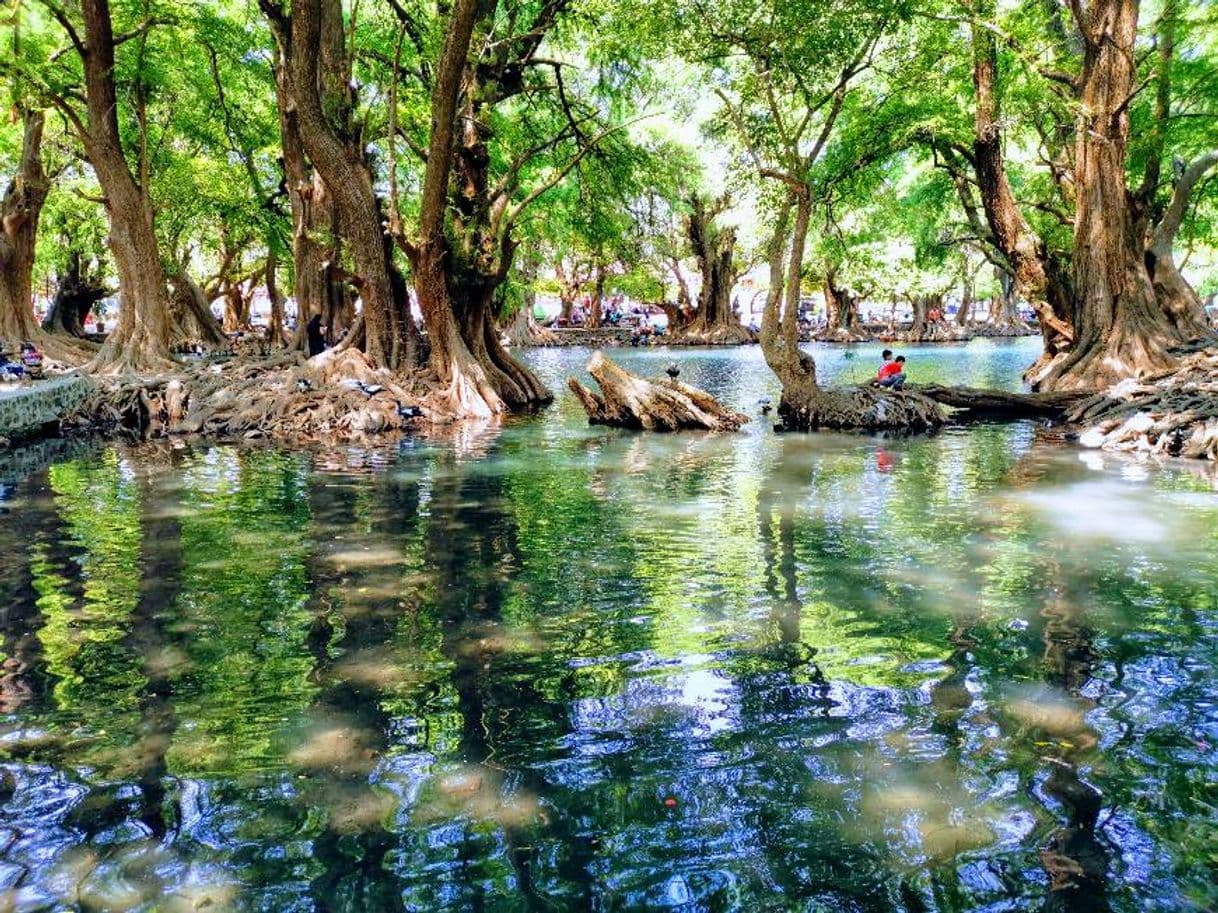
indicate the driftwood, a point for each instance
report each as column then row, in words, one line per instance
column 1000, row 404
column 629, row 401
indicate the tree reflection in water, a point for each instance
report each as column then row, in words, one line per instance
column 630, row 672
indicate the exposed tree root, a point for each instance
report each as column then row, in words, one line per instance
column 338, row 395
column 844, row 335
column 1174, row 413
column 719, row 334
column 629, row 401
column 951, row 332
column 524, row 331
column 857, row 409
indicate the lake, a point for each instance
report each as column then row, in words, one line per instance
column 552, row 667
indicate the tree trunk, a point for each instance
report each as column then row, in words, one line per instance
column 275, row 297
column 1120, row 330
column 19, row 213
column 323, row 101
column 315, row 286
column 526, row 331
column 964, row 316
column 569, row 284
column 598, row 297
column 841, row 309
column 74, row 298
column 796, row 370
column 1012, row 235
column 714, row 248
column 480, row 378
column 1179, row 300
column 921, row 306
column 192, row 321
column 141, row 339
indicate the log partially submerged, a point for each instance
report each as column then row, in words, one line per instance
column 980, row 405
column 629, row 401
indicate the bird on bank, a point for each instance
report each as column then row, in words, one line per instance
column 672, row 370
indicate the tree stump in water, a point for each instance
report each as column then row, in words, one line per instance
column 857, row 409
column 629, row 401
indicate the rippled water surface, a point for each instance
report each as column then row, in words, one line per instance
column 551, row 667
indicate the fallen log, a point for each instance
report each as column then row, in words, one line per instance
column 630, row 401
column 979, row 405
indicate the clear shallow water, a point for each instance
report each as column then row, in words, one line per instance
column 552, row 667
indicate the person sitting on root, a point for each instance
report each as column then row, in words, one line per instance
column 892, row 375
column 884, row 371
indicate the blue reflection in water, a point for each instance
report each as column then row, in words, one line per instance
column 549, row 666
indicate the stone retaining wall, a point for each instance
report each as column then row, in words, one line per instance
column 604, row 337
column 26, row 410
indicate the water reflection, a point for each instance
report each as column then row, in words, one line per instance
column 544, row 666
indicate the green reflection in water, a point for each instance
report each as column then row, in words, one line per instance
column 554, row 667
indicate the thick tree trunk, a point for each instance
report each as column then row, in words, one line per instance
column 480, row 378
column 569, row 284
column 1120, row 330
column 141, row 339
column 74, row 298
column 316, row 288
column 921, row 307
column 1012, row 235
column 714, row 248
column 322, row 99
column 1004, row 309
column 192, row 320
column 842, row 321
column 524, row 330
column 1179, row 300
column 19, row 212
column 275, row 297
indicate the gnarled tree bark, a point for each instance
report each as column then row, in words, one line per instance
column 714, row 248
column 322, row 101
column 1120, row 329
column 456, row 285
column 20, row 209
column 140, row 341
column 1035, row 277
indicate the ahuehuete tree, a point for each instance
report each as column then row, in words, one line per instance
column 784, row 89
column 714, row 248
column 319, row 107
column 142, row 337
column 20, row 209
column 505, row 126
column 1110, row 299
